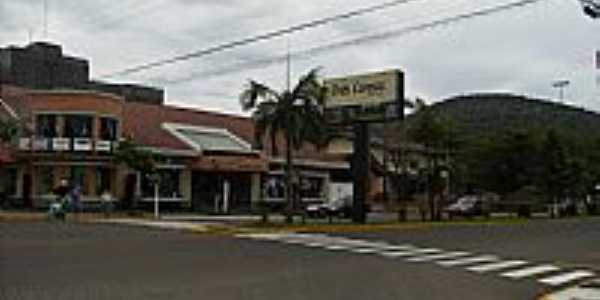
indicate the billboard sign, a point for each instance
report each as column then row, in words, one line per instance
column 372, row 97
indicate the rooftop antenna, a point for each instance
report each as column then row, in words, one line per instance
column 29, row 34
column 288, row 66
column 45, row 19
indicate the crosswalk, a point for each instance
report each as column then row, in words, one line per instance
column 513, row 269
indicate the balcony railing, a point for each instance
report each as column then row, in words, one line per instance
column 61, row 144
column 66, row 145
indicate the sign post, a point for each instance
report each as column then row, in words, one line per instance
column 155, row 179
column 358, row 101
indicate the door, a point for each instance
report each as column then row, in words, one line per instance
column 205, row 191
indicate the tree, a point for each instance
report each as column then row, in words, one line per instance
column 591, row 8
column 136, row 158
column 429, row 130
column 503, row 162
column 9, row 129
column 295, row 113
column 555, row 168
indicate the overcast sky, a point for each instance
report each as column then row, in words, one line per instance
column 521, row 51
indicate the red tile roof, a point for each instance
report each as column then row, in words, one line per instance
column 143, row 123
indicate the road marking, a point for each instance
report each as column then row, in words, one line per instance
column 532, row 271
column 438, row 256
column 364, row 250
column 467, row 261
column 497, row 266
column 365, row 244
column 399, row 248
column 292, row 241
column 314, row 244
column 566, row 277
column 337, row 247
column 409, row 252
column 394, row 254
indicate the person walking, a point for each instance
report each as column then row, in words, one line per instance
column 57, row 208
column 76, row 198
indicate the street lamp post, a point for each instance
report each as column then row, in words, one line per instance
column 155, row 179
column 561, row 85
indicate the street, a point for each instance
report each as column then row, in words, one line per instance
column 88, row 261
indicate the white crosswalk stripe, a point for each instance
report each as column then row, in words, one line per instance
column 364, row 250
column 399, row 248
column 497, row 266
column 312, row 244
column 467, row 261
column 393, row 254
column 337, row 247
column 512, row 269
column 433, row 257
column 410, row 252
column 565, row 278
column 292, row 241
column 531, row 271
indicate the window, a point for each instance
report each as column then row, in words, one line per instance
column 311, row 187
column 103, row 176
column 273, row 187
column 168, row 185
column 78, row 126
column 213, row 140
column 108, row 129
column 45, row 180
column 8, row 182
column 45, row 126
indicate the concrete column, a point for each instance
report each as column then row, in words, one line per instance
column 19, row 187
column 255, row 190
column 60, row 125
column 89, row 182
column 185, row 186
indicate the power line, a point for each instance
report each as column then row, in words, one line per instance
column 355, row 41
column 258, row 38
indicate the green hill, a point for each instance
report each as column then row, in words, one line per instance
column 481, row 114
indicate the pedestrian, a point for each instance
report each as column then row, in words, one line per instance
column 57, row 208
column 76, row 198
column 107, row 205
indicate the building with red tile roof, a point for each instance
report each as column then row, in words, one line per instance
column 210, row 161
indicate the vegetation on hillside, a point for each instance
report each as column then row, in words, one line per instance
column 508, row 144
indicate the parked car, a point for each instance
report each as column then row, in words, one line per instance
column 468, row 206
column 341, row 207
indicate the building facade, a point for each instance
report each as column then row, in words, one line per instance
column 209, row 162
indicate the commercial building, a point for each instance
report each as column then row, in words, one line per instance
column 210, row 162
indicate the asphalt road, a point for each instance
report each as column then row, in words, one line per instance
column 85, row 261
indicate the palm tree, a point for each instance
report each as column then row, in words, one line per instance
column 295, row 113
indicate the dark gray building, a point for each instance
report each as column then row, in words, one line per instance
column 43, row 65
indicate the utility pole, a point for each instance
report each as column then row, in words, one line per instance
column 360, row 171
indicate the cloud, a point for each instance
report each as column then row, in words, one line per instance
column 522, row 50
